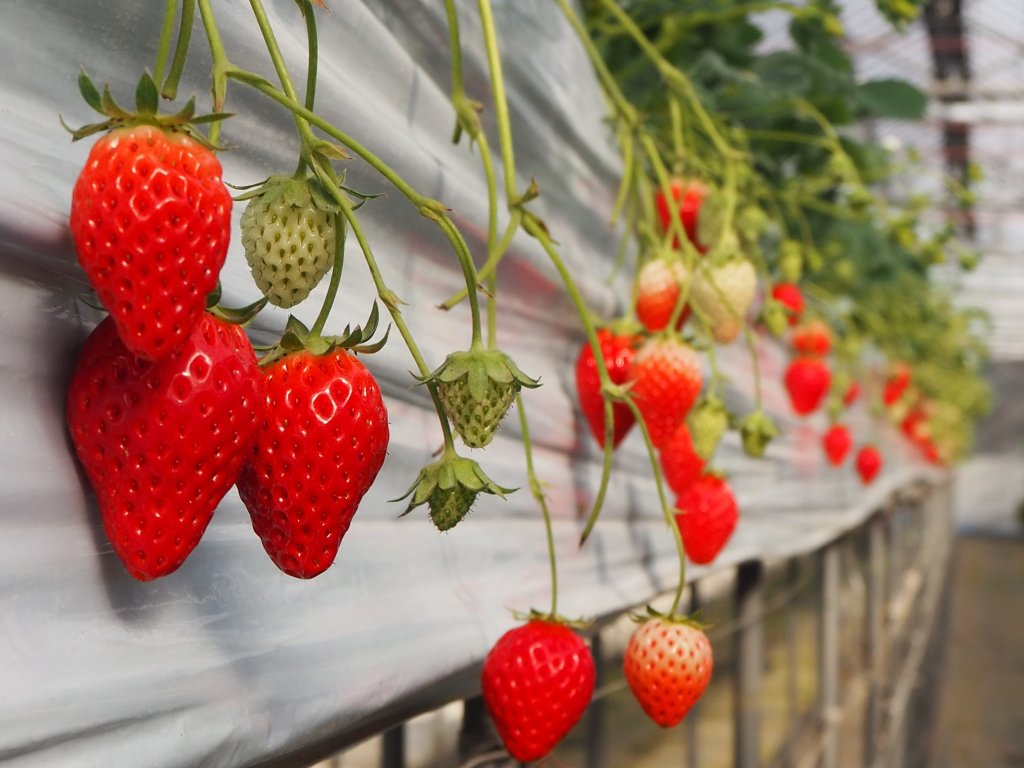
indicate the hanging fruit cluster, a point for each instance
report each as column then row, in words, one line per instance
column 742, row 222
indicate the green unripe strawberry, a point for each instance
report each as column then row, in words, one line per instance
column 449, row 487
column 288, row 232
column 477, row 389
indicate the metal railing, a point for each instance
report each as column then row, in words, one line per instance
column 821, row 660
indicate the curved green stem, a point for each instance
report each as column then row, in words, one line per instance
column 169, row 90
column 538, row 494
column 163, row 48
column 666, row 510
column 332, row 286
column 312, row 64
column 499, row 100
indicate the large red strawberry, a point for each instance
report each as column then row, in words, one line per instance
column 812, row 338
column 322, row 441
column 681, row 465
column 537, row 682
column 707, row 516
column 807, row 380
column 666, row 378
column 618, row 351
column 687, row 199
column 162, row 442
column 869, row 463
column 837, row 443
column 668, row 665
column 151, row 220
column 658, row 285
column 789, row 295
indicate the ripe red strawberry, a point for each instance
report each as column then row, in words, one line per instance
column 837, row 443
column 322, row 441
column 812, row 338
column 537, row 682
column 681, row 465
column 851, row 394
column 618, row 351
column 687, row 199
column 789, row 295
column 658, row 285
column 151, row 222
column 162, row 442
column 667, row 665
column 869, row 463
column 706, row 518
column 722, row 295
column 666, row 378
column 896, row 384
column 807, row 380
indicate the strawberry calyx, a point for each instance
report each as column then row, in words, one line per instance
column 147, row 102
column 449, row 487
column 476, row 388
column 235, row 315
column 297, row 337
column 694, row 619
column 552, row 618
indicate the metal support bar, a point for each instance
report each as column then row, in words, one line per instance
column 749, row 663
column 392, row 752
column 876, row 637
column 792, row 667
column 690, row 724
column 828, row 657
column 595, row 749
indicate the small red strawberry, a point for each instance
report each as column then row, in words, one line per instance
column 537, row 682
column 707, row 517
column 687, row 199
column 162, row 442
column 618, row 351
column 837, row 443
column 681, row 465
column 813, row 338
column 789, row 295
column 658, row 286
column 807, row 380
column 666, row 378
column 896, row 384
column 869, row 463
column 151, row 222
column 851, row 394
column 667, row 665
column 322, row 441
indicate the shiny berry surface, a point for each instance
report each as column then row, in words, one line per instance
column 667, row 379
column 618, row 351
column 707, row 516
column 163, row 441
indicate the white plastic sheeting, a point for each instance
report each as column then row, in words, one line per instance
column 228, row 662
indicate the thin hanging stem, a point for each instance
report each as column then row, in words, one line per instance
column 164, row 46
column 538, row 494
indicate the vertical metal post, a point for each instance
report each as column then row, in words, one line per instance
column 595, row 751
column 749, row 664
column 876, row 641
column 792, row 665
column 828, row 656
column 392, row 751
column 692, row 750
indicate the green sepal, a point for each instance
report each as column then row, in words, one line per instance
column 694, row 619
column 89, row 92
column 330, row 151
column 239, row 315
column 553, row 618
column 147, row 95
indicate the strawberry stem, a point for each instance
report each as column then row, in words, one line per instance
column 163, row 48
column 332, row 286
column 538, row 494
column 169, row 90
